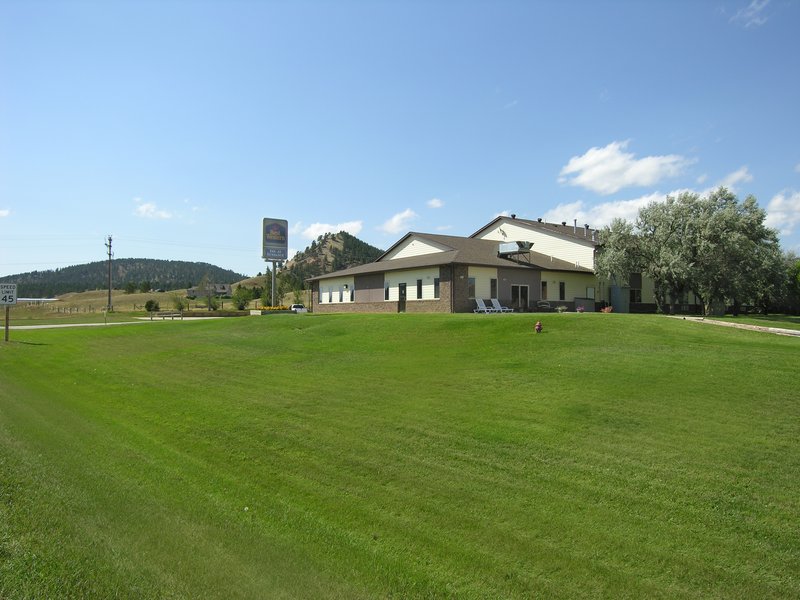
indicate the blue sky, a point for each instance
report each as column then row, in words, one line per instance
column 177, row 126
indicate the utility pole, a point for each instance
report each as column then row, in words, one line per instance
column 109, row 306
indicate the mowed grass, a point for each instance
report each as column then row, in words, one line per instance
column 363, row 456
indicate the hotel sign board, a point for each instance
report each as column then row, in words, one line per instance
column 8, row 294
column 275, row 238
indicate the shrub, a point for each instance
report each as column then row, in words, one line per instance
column 151, row 306
column 607, row 309
column 179, row 303
column 561, row 309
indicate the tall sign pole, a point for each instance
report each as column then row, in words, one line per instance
column 108, row 246
column 8, row 298
column 274, row 244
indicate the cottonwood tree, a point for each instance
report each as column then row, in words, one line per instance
column 663, row 230
column 790, row 300
column 715, row 246
column 620, row 253
column 735, row 253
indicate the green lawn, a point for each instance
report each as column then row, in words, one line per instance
column 355, row 456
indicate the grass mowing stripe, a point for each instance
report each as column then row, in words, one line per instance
column 424, row 455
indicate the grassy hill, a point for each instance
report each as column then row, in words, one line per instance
column 363, row 456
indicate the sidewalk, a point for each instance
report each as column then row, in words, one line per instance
column 773, row 330
column 139, row 321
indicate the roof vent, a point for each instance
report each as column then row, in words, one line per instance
column 539, row 219
column 564, row 223
column 513, row 216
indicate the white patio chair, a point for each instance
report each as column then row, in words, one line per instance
column 499, row 308
column 482, row 308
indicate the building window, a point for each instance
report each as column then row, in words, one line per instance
column 330, row 294
column 352, row 293
column 562, row 290
column 544, row 290
column 471, row 287
column 436, row 288
column 636, row 296
column 493, row 288
column 419, row 289
column 385, row 290
column 590, row 293
column 341, row 294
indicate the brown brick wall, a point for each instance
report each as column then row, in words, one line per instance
column 461, row 288
column 370, row 300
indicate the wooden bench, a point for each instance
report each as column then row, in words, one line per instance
column 167, row 313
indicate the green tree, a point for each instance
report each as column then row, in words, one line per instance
column 145, row 287
column 732, row 250
column 662, row 230
column 716, row 246
column 241, row 297
column 130, row 287
column 791, row 296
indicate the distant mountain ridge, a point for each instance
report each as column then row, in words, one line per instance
column 329, row 252
column 161, row 274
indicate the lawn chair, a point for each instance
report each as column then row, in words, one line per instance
column 482, row 308
column 499, row 308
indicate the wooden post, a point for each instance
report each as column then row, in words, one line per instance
column 8, row 312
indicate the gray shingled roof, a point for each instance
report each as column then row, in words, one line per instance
column 461, row 250
column 580, row 233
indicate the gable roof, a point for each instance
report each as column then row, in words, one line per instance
column 458, row 250
column 584, row 234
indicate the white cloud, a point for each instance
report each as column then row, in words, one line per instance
column 797, row 168
column 435, row 203
column 609, row 169
column 702, row 179
column 602, row 214
column 511, row 104
column 731, row 180
column 315, row 230
column 399, row 222
column 148, row 210
column 4, row 212
column 783, row 212
column 752, row 14
column 444, row 227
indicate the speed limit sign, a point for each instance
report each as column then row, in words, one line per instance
column 8, row 294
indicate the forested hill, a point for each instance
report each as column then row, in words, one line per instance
column 328, row 253
column 160, row 274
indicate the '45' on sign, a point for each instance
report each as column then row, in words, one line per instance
column 8, row 293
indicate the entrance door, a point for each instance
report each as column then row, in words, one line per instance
column 519, row 297
column 401, row 300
